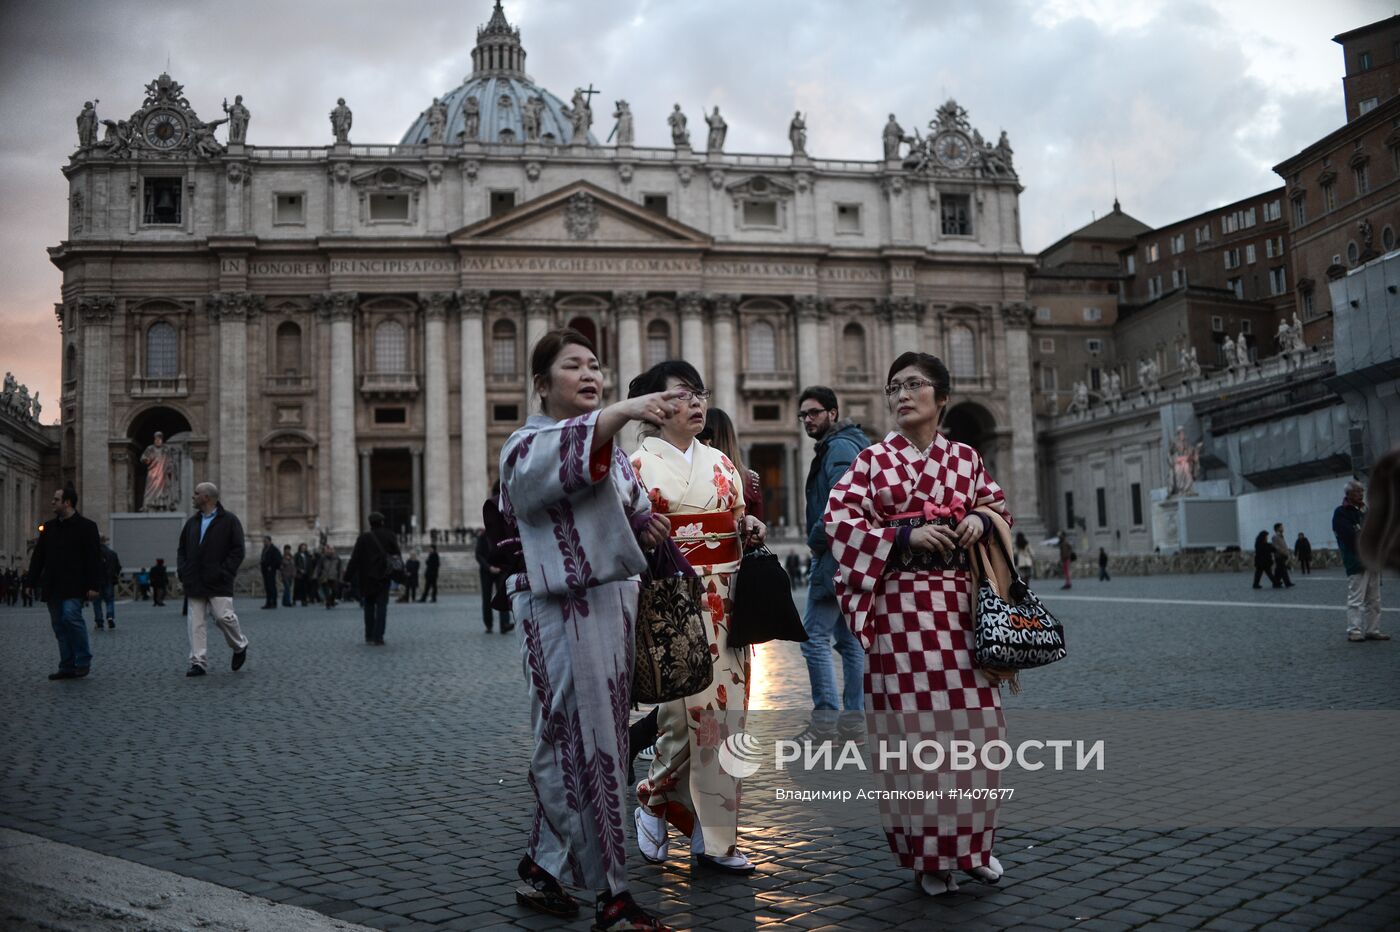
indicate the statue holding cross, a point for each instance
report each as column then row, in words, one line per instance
column 581, row 114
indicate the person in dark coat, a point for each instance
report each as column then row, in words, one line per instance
column 1302, row 549
column 303, row 562
column 1264, row 560
column 368, row 569
column 271, row 564
column 211, row 551
column 1103, row 565
column 111, row 575
column 160, row 581
column 430, row 574
column 67, row 565
column 411, row 567
column 504, row 553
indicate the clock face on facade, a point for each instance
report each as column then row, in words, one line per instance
column 952, row 149
column 164, row 130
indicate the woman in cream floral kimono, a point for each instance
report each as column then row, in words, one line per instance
column 702, row 493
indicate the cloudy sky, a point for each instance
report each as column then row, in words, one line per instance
column 1190, row 101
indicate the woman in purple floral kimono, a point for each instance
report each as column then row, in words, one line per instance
column 568, row 493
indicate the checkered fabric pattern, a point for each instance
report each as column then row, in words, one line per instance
column 917, row 627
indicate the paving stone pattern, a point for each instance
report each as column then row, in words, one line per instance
column 385, row 785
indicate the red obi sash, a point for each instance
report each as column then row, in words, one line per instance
column 707, row 538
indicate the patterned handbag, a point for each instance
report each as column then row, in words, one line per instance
column 1016, row 633
column 673, row 657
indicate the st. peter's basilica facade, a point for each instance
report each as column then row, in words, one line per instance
column 331, row 329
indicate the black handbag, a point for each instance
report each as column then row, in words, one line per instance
column 673, row 657
column 393, row 562
column 1017, row 632
column 763, row 609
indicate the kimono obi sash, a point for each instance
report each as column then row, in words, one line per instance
column 707, row 538
column 931, row 561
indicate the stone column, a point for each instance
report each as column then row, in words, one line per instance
column 810, row 370
column 94, row 468
column 1023, row 490
column 338, row 309
column 692, row 308
column 475, row 455
column 629, row 338
column 366, row 503
column 418, row 521
column 539, row 306
column 727, row 353
column 437, row 470
column 232, row 311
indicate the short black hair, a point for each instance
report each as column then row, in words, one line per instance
column 375, row 519
column 70, row 494
column 821, row 395
column 654, row 379
column 930, row 365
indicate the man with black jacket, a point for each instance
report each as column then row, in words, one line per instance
column 369, row 568
column 160, row 582
column 211, row 551
column 111, row 575
column 270, row 563
column 67, row 565
column 430, row 574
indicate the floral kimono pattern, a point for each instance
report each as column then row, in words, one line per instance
column 917, row 627
column 575, row 603
column 686, row 784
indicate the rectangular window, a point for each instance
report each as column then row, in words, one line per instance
column 1093, row 313
column 392, row 208
column 391, row 415
column 505, row 414
column 1135, row 496
column 1101, row 506
column 1273, row 211
column 1237, row 286
column 659, row 204
column 1153, row 252
column 1203, row 234
column 1047, row 344
column 1246, row 326
column 1042, row 314
column 1249, row 220
column 1178, row 244
column 1069, row 510
column 847, row 218
column 1249, row 254
column 767, row 412
column 1094, row 346
column 1178, row 278
column 1096, row 378
column 161, row 200
column 1132, row 263
column 1278, row 280
column 1329, row 197
column 1300, row 207
column 1049, row 379
column 1307, row 304
column 1217, row 325
column 1362, row 174
column 1366, row 106
column 1363, row 61
column 1154, row 287
column 501, row 202
column 957, row 215
column 1232, row 258
column 1269, row 248
column 760, row 213
column 290, row 208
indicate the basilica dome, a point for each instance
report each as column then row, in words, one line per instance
column 502, row 90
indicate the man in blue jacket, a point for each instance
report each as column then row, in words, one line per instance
column 68, row 568
column 838, row 442
column 1363, row 583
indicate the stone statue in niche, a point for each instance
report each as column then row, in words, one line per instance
column 797, row 134
column 437, row 122
column 718, row 130
column 162, row 476
column 238, row 117
column 87, row 125
column 471, row 114
column 892, row 136
column 341, row 118
column 624, row 131
column 1185, row 461
column 680, row 137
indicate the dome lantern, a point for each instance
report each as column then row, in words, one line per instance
column 498, row 49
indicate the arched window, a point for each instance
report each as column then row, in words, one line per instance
column 853, row 349
column 763, row 347
column 70, row 361
column 962, row 352
column 162, row 351
column 503, row 348
column 658, row 347
column 589, row 329
column 289, row 349
column 291, row 498
column 390, row 347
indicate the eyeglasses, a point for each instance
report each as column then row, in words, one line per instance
column 911, row 385
column 688, row 395
column 810, row 413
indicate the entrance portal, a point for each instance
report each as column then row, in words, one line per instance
column 767, row 460
column 391, row 488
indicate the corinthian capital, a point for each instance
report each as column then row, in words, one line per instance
column 538, row 303
column 724, row 304
column 628, row 304
column 1017, row 314
column 335, row 305
column 691, row 303
column 436, row 304
column 810, row 308
column 905, row 309
column 234, row 305
column 96, row 309
column 471, row 301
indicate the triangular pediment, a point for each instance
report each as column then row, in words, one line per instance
column 581, row 213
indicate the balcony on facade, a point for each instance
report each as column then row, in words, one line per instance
column 764, row 383
column 287, row 384
column 176, row 387
column 389, row 384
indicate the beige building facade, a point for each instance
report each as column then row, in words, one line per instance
column 332, row 329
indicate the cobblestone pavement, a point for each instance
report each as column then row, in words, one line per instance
column 385, row 786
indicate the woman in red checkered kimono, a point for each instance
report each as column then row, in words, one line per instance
column 902, row 524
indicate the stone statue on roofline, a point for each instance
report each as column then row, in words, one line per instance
column 718, row 130
column 1190, row 364
column 238, row 117
column 437, row 122
column 797, row 134
column 530, row 112
column 1242, row 351
column 625, row 130
column 891, row 137
column 1079, row 401
column 471, row 114
column 87, row 125
column 680, row 136
column 341, row 118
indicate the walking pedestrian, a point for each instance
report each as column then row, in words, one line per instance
column 1264, row 560
column 111, row 575
column 903, row 523
column 1067, row 556
column 328, row 575
column 305, row 586
column 411, row 567
column 563, row 479
column 210, row 553
column 1103, row 565
column 488, row 574
column 143, row 584
column 68, row 567
column 504, row 553
column 1363, row 582
column 430, row 574
column 288, row 572
column 160, row 582
column 1302, row 549
column 1025, row 560
column 271, row 563
column 1281, row 558
column 838, row 442
column 369, row 570
column 701, row 491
